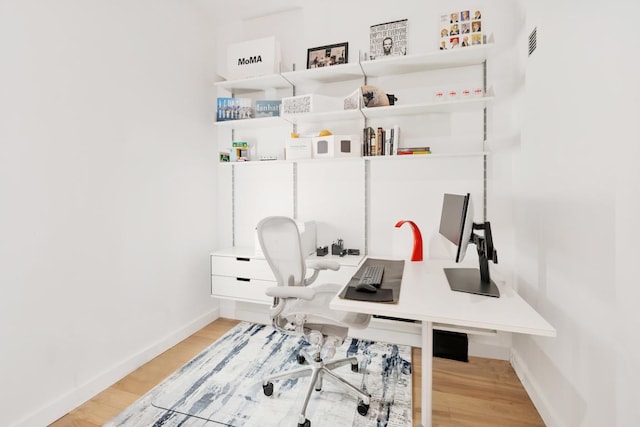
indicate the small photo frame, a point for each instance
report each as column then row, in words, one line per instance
column 326, row 56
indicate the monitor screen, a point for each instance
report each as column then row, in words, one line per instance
column 456, row 222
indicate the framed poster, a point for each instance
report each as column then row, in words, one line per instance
column 388, row 39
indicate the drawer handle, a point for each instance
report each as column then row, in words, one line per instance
column 242, row 259
column 242, row 279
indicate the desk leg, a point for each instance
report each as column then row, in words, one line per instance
column 427, row 373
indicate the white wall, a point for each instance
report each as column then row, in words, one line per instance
column 576, row 208
column 106, row 190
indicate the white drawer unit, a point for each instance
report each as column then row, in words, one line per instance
column 238, row 274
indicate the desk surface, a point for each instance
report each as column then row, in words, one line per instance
column 425, row 295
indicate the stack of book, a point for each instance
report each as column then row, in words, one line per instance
column 380, row 141
column 414, row 150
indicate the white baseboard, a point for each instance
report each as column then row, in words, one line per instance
column 76, row 397
column 533, row 390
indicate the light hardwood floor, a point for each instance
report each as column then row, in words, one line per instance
column 483, row 392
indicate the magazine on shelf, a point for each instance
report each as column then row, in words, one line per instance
column 461, row 28
column 388, row 39
column 268, row 108
column 234, row 109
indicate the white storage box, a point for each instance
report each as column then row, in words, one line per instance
column 337, row 146
column 253, row 58
column 297, row 148
column 309, row 103
column 354, row 100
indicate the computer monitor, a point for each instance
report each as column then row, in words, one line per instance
column 456, row 224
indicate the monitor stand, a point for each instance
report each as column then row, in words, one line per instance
column 468, row 280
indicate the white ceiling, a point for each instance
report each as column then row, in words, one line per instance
column 248, row 9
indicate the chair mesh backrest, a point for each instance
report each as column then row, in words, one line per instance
column 280, row 242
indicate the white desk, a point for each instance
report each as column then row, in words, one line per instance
column 425, row 295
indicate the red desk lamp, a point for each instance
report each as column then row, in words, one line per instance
column 417, row 240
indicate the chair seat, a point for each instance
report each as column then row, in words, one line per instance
column 317, row 313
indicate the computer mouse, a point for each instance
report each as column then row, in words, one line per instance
column 365, row 287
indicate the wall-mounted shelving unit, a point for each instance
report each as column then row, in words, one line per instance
column 357, row 198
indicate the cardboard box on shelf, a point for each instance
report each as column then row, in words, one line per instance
column 297, row 148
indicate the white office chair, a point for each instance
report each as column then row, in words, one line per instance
column 302, row 308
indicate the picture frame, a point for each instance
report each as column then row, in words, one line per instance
column 388, row 39
column 326, row 56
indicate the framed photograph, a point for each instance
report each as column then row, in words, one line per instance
column 326, row 56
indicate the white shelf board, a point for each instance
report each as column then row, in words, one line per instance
column 425, row 156
column 338, row 115
column 460, row 105
column 332, row 74
column 261, row 122
column 435, row 60
column 253, row 84
column 406, row 157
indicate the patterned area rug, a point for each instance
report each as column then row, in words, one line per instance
column 222, row 386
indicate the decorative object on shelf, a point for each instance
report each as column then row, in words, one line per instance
column 373, row 96
column 234, row 109
column 416, row 254
column 268, row 108
column 322, row 250
column 326, row 56
column 388, row 39
column 454, row 93
column 239, row 151
column 253, row 58
column 336, row 146
column 309, row 103
column 460, row 29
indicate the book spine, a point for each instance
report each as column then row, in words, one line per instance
column 365, row 142
column 396, row 139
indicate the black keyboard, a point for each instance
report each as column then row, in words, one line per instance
column 372, row 275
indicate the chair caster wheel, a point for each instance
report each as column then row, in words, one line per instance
column 301, row 359
column 306, row 423
column 362, row 408
column 354, row 367
column 268, row 389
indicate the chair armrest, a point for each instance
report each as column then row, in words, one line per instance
column 299, row 292
column 318, row 266
column 323, row 265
